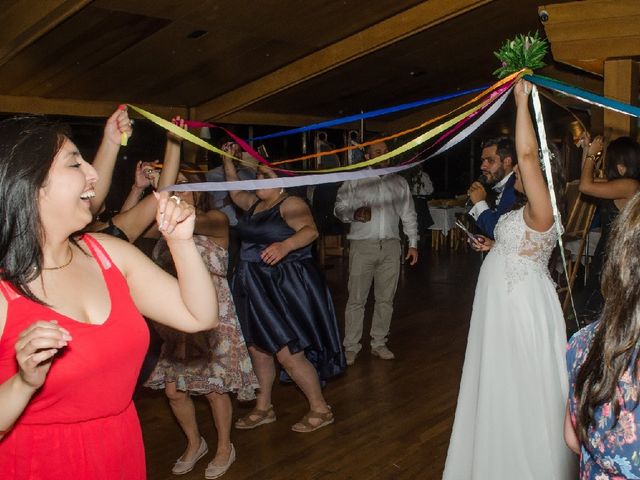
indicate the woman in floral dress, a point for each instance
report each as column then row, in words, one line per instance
column 603, row 411
column 212, row 363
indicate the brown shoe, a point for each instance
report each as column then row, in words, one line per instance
column 305, row 426
column 255, row 418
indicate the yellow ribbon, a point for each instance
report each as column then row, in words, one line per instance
column 182, row 133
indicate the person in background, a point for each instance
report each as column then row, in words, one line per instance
column 603, row 413
column 284, row 306
column 421, row 188
column 374, row 207
column 213, row 363
column 622, row 182
column 497, row 163
column 72, row 334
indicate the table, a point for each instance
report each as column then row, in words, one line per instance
column 444, row 218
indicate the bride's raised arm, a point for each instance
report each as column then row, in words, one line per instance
column 538, row 213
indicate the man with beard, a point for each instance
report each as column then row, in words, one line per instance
column 497, row 162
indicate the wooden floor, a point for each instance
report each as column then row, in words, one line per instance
column 393, row 419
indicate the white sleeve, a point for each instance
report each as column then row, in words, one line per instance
column 344, row 208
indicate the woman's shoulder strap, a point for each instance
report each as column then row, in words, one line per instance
column 98, row 251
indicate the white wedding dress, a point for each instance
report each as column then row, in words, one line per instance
column 513, row 392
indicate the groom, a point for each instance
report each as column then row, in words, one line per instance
column 497, row 162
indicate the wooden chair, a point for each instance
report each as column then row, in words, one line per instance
column 582, row 210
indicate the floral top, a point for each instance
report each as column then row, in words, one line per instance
column 613, row 451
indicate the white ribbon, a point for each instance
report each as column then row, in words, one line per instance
column 546, row 162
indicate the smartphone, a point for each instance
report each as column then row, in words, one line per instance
column 461, row 226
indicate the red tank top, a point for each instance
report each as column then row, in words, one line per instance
column 85, row 402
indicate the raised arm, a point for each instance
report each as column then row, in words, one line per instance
column 242, row 199
column 538, row 213
column 187, row 303
column 142, row 180
column 616, row 189
column 105, row 159
column 135, row 220
column 297, row 215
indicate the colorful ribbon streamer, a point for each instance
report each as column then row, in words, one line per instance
column 485, row 92
column 584, row 95
column 371, row 114
column 182, row 133
column 244, row 145
column 336, row 176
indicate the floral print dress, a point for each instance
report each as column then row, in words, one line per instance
column 214, row 360
column 613, row 451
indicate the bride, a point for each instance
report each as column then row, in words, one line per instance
column 513, row 393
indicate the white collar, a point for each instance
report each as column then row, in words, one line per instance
column 498, row 187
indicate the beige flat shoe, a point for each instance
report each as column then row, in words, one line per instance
column 215, row 471
column 255, row 418
column 181, row 467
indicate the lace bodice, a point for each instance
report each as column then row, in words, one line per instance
column 526, row 250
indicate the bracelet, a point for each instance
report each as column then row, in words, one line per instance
column 591, row 157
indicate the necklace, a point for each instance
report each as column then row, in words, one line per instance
column 65, row 264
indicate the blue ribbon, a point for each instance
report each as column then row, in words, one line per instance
column 371, row 114
column 584, row 95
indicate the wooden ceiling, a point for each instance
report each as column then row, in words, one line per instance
column 277, row 62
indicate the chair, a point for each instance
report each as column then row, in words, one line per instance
column 581, row 210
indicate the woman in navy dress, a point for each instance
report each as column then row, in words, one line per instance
column 284, row 306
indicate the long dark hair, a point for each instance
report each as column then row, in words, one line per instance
column 623, row 151
column 616, row 341
column 28, row 146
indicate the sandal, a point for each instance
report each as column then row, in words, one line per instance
column 305, row 426
column 255, row 418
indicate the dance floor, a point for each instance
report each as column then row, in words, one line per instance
column 393, row 418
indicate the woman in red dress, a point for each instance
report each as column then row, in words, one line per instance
column 72, row 337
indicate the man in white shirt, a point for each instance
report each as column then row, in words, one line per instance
column 373, row 207
column 498, row 159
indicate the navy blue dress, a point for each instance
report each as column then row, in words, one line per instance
column 287, row 304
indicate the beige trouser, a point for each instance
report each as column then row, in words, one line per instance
column 377, row 261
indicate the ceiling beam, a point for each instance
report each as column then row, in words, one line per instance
column 78, row 108
column 584, row 34
column 28, row 20
column 413, row 20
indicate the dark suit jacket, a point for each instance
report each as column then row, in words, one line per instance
column 489, row 218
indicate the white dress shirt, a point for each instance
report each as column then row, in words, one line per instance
column 482, row 205
column 390, row 200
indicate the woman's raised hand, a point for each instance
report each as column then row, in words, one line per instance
column 35, row 348
column 117, row 124
column 175, row 217
column 521, row 92
column 144, row 174
column 179, row 121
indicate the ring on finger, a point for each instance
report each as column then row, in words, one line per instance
column 176, row 198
